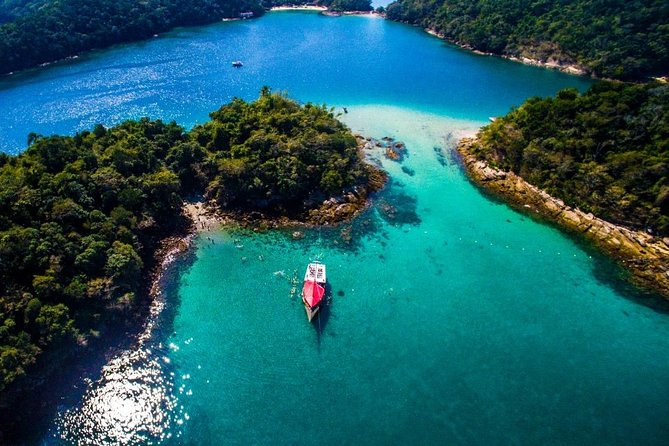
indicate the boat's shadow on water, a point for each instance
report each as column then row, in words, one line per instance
column 320, row 322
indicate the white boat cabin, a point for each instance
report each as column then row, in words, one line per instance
column 315, row 272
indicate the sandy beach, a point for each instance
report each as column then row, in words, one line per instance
column 202, row 216
column 299, row 8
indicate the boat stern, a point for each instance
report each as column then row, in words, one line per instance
column 311, row 312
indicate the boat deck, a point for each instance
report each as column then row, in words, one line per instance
column 315, row 272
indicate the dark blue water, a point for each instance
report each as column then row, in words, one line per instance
column 450, row 320
column 184, row 75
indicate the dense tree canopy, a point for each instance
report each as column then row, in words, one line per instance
column 273, row 154
column 612, row 38
column 606, row 151
column 12, row 9
column 77, row 216
column 347, row 5
column 80, row 216
column 41, row 31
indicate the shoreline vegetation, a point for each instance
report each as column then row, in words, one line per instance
column 85, row 220
column 323, row 10
column 633, row 58
column 605, row 151
column 607, row 40
column 56, row 31
column 646, row 257
column 330, row 8
column 551, row 63
column 596, row 163
column 33, row 37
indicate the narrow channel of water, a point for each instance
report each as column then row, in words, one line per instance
column 451, row 319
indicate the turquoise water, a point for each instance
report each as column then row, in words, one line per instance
column 451, row 320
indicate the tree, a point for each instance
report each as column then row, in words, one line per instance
column 123, row 265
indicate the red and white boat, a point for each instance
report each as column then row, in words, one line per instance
column 313, row 289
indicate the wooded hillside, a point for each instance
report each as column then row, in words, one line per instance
column 605, row 151
column 42, row 32
column 610, row 38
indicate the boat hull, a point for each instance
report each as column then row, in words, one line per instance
column 313, row 288
column 311, row 312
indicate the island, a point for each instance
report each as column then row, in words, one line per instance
column 83, row 217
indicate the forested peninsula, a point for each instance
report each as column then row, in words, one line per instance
column 81, row 216
column 611, row 38
column 603, row 155
column 53, row 30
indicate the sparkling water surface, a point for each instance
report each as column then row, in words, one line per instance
column 450, row 319
column 344, row 61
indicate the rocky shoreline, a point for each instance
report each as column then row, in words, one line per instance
column 645, row 256
column 17, row 414
column 207, row 215
column 551, row 63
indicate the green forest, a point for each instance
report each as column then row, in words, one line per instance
column 81, row 216
column 44, row 31
column 611, row 38
column 347, row 5
column 10, row 10
column 33, row 32
column 605, row 151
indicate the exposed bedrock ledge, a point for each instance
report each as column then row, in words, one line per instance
column 553, row 62
column 645, row 256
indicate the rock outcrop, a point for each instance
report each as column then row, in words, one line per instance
column 332, row 211
column 645, row 256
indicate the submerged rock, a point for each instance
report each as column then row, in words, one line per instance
column 396, row 151
column 441, row 156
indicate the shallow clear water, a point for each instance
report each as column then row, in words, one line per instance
column 468, row 324
column 451, row 319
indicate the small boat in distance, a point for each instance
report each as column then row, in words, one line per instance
column 237, row 64
column 313, row 289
